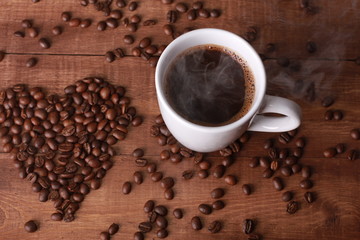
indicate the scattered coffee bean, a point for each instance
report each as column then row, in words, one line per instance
column 205, row 209
column 149, row 22
column 292, row 207
column 306, row 184
column 309, row 197
column 85, row 23
column 181, row 7
column 217, row 193
column 217, row 205
column 138, row 236
column 188, row 174
column 171, row 16
column 306, row 172
column 162, row 233
column 138, row 153
column 19, row 34
column 167, row 182
column 113, row 229
column 254, row 162
column 284, row 138
column 246, row 189
column 327, row 101
column 329, row 115
column 112, row 23
column 161, row 210
column 196, row 223
column 205, row 165
column 109, row 56
column 44, row 43
column 56, row 216
column 296, row 168
column 355, row 134
column 215, row 13
column 264, row 162
column 156, row 176
column 215, row 227
column 168, row 29
column 287, row 196
column 65, row 16
column 286, row 171
column 248, row 226
column 267, row 173
column 268, row 143
column 57, row 30
column 274, row 165
column 149, row 206
column 219, row 171
column 135, row 19
column 277, row 182
column 132, row 6
column 31, row 62
column 338, row 115
column 32, row 32
column 75, row 22
column 329, row 152
column 230, row 180
column 101, row 26
column 178, row 213
column 191, row 15
column 104, row 236
column 126, row 188
column 204, row 13
column 30, row 226
column 352, row 155
column 120, row 3
column 145, row 227
column 26, row 23
column 138, row 177
column 145, row 42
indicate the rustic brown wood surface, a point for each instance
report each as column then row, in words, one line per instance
column 79, row 53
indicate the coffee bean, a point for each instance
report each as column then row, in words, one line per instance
column 167, row 1
column 31, row 62
column 168, row 30
column 113, row 229
column 286, row 171
column 120, row 3
column 306, row 184
column 296, row 168
column 19, row 34
column 196, row 223
column 191, row 15
column 277, row 182
column 329, row 152
column 65, row 16
column 161, row 222
column 291, row 160
column 215, row 227
column 161, row 210
column 254, row 162
column 151, row 49
column 109, row 56
column 284, row 138
column 104, row 236
column 85, row 23
column 138, row 153
column 273, row 153
column 355, row 134
column 327, row 101
column 217, row 193
column 56, row 216
column 175, row 158
column 44, row 43
column 306, row 172
column 215, row 13
column 298, row 152
column 149, row 206
column 138, row 177
column 309, row 197
column 101, row 26
column 203, row 173
column 156, row 176
column 181, row 7
column 219, row 171
column 126, row 188
column 248, row 226
column 132, row 6
column 188, row 174
column 267, row 173
column 274, row 165
column 32, row 32
column 178, row 213
column 287, row 196
column 30, row 226
column 149, row 22
column 227, row 161
column 167, row 182
column 230, row 180
column 268, row 143
column 138, row 236
column 246, row 189
column 112, row 23
column 162, row 233
column 340, row 148
column 264, row 162
column 137, row 121
column 145, row 42
column 205, row 165
column 205, row 209
column 292, row 207
column 26, row 23
column 329, row 115
column 352, row 155
column 338, row 115
column 225, row 152
column 75, row 22
column 311, row 47
column 116, row 14
column 217, row 205
column 169, row 194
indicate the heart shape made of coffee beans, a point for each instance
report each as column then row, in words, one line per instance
column 62, row 144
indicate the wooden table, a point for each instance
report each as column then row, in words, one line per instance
column 79, row 53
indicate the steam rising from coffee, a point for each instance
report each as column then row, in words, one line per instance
column 207, row 86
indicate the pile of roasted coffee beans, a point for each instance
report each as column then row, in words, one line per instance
column 63, row 144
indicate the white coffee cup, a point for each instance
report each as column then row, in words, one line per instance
column 207, row 139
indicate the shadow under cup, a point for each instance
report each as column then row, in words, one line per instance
column 200, row 137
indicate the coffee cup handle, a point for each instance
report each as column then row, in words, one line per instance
column 276, row 105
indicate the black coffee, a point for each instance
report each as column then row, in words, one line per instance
column 209, row 85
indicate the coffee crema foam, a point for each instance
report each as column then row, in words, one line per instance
column 209, row 85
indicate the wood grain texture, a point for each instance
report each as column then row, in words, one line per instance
column 78, row 53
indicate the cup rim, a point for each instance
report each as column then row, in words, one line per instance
column 257, row 100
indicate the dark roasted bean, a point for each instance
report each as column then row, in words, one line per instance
column 277, row 182
column 248, row 226
column 287, row 196
column 246, row 189
column 215, row 227
column 306, row 184
column 329, row 152
column 292, row 207
column 30, row 226
column 126, row 188
column 178, row 213
column 196, row 223
column 230, row 180
column 309, row 197
column 355, row 134
column 352, row 155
